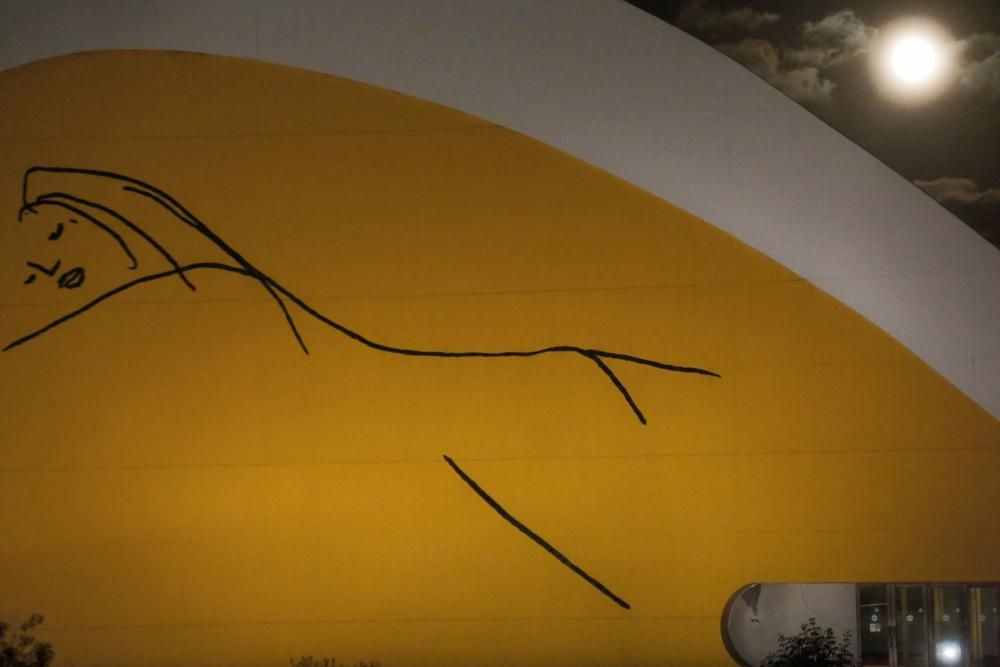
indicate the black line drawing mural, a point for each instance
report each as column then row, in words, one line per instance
column 533, row 536
column 116, row 226
column 93, row 211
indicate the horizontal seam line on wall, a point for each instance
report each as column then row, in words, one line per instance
column 323, row 621
column 256, row 135
column 515, row 292
column 512, row 459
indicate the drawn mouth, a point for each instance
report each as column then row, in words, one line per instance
column 72, row 278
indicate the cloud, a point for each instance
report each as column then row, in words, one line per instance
column 842, row 31
column 696, row 17
column 981, row 77
column 979, row 71
column 757, row 55
column 812, row 56
column 803, row 84
column 795, row 70
column 980, row 46
column 953, row 190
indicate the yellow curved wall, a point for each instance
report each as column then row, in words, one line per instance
column 182, row 485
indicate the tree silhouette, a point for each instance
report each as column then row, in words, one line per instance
column 21, row 649
column 812, row 647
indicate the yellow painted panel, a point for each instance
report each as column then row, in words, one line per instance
column 183, row 485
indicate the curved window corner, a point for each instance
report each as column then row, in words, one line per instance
column 881, row 624
column 757, row 614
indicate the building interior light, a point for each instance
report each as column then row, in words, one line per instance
column 949, row 652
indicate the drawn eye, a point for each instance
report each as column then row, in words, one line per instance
column 30, row 279
column 57, row 233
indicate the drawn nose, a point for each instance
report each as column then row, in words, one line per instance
column 72, row 278
column 37, row 267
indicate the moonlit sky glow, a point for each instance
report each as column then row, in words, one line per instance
column 916, row 83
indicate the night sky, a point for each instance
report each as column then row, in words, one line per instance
column 819, row 53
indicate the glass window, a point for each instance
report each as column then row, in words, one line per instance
column 873, row 619
column 948, row 629
column 984, row 635
column 889, row 624
column 911, row 626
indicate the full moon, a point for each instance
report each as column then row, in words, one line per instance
column 912, row 60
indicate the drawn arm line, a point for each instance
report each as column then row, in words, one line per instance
column 533, row 536
column 124, row 287
column 592, row 355
column 112, row 292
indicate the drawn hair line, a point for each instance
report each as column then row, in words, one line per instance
column 276, row 291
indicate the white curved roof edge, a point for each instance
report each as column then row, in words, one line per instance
column 609, row 84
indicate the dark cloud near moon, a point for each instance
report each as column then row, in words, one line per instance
column 950, row 190
column 801, row 83
column 980, row 65
column 977, row 206
column 700, row 17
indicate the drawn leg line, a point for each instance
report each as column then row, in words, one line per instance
column 533, row 536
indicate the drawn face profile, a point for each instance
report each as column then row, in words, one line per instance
column 88, row 235
column 60, row 260
column 69, row 239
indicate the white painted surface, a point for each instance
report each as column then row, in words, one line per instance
column 634, row 96
column 782, row 609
